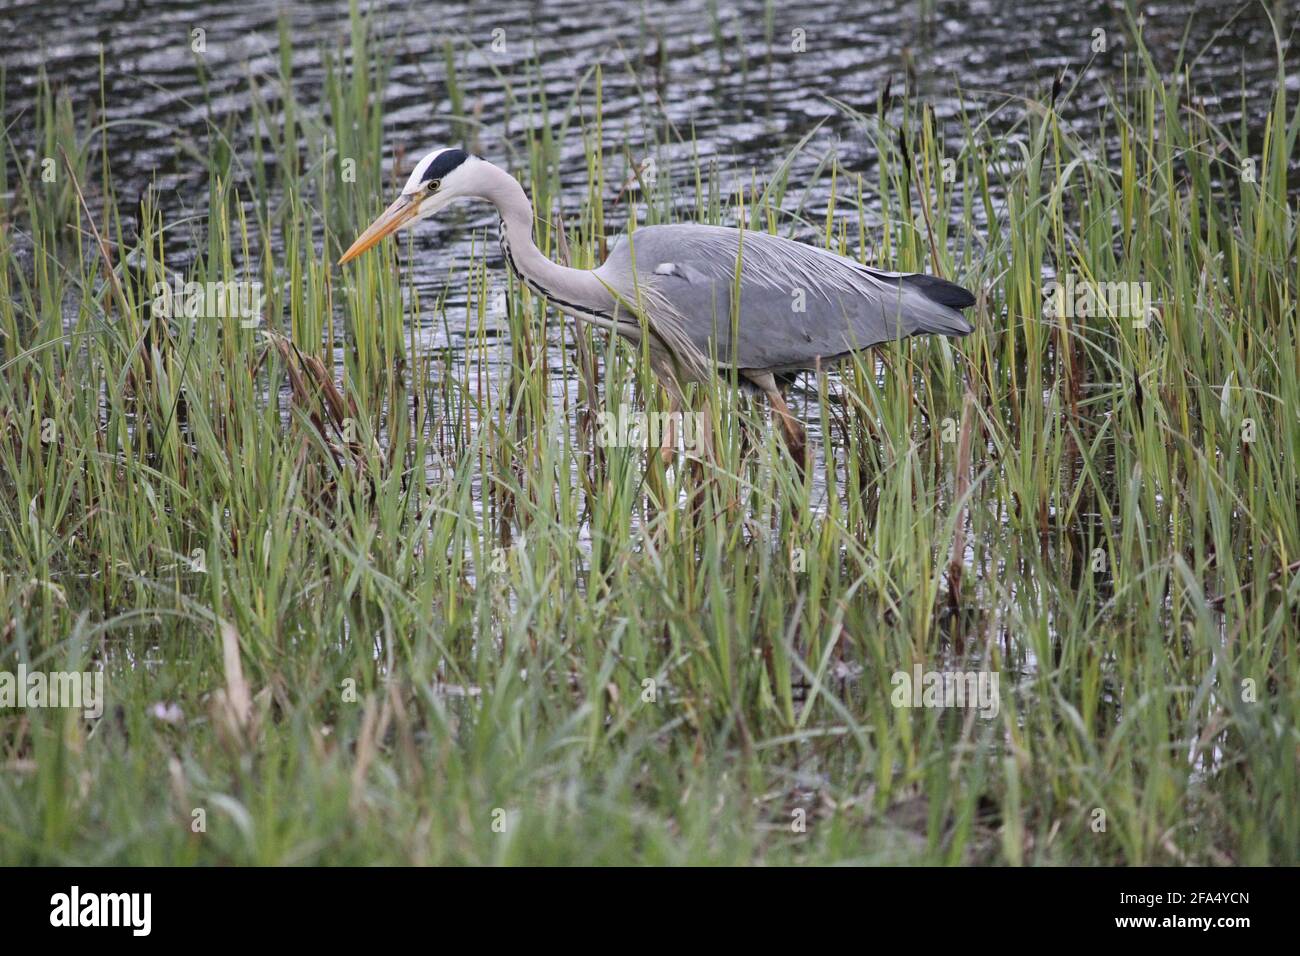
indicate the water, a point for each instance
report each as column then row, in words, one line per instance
column 746, row 97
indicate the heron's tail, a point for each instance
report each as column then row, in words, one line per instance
column 945, row 299
column 940, row 290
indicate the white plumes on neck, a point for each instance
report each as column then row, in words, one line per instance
column 574, row 288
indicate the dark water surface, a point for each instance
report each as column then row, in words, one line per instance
column 724, row 71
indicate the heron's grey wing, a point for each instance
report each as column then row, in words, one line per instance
column 798, row 304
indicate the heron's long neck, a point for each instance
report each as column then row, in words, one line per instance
column 564, row 286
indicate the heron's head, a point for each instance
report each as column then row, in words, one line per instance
column 438, row 179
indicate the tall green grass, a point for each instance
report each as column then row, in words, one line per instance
column 426, row 617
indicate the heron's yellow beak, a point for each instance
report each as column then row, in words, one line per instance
column 390, row 220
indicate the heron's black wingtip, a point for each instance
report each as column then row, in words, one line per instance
column 941, row 291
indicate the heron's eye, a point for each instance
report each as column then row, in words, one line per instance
column 434, row 184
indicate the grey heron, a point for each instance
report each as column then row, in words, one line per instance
column 799, row 307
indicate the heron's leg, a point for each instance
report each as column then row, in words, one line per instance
column 747, row 437
column 706, row 431
column 796, row 439
column 668, row 435
column 676, row 403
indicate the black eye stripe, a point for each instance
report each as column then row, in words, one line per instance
column 446, row 161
